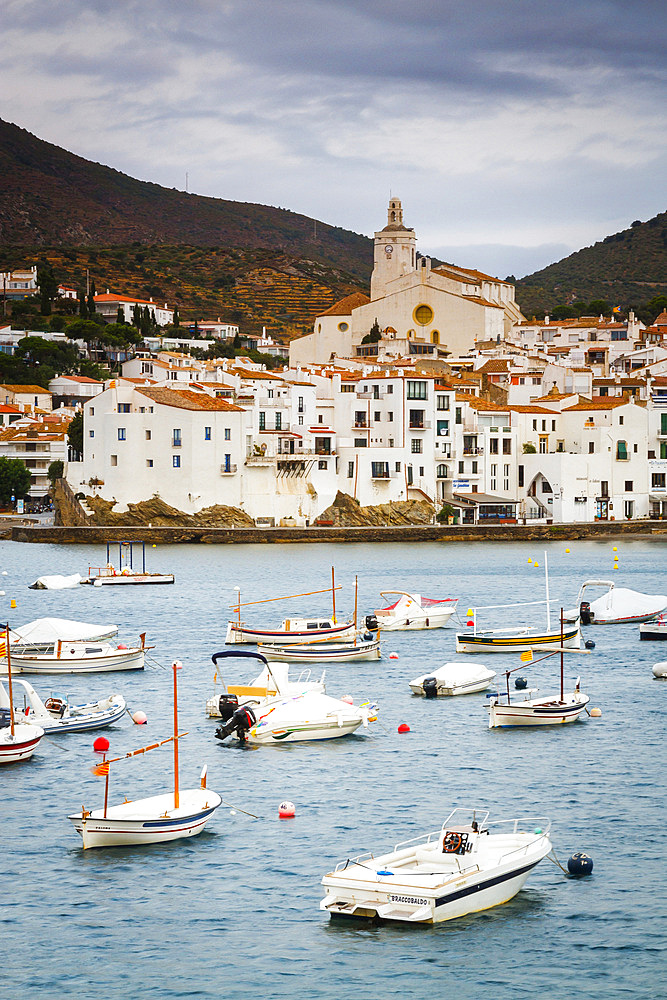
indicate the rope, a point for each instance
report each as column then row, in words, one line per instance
column 238, row 809
column 154, row 661
column 552, row 857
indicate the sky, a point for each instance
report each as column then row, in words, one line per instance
column 513, row 131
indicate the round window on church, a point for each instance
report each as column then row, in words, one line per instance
column 343, row 327
column 423, row 315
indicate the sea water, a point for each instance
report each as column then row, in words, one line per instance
column 234, row 912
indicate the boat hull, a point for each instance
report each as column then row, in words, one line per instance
column 538, row 712
column 239, row 634
column 327, row 653
column 301, row 732
column 130, row 660
column 144, row 821
column 23, row 746
column 123, row 581
column 434, row 619
column 517, row 642
column 653, row 631
column 85, row 722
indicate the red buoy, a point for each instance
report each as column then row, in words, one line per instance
column 404, row 728
column 101, row 744
column 286, row 810
column 470, row 622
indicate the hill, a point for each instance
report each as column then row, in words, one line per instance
column 626, row 269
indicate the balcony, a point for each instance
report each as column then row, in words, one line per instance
column 473, row 451
column 383, row 474
column 227, row 470
column 363, row 425
column 420, row 425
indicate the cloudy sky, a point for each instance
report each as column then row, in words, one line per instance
column 514, row 131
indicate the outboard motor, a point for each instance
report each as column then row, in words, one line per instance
column 5, row 718
column 239, row 722
column 372, row 623
column 227, row 705
column 430, row 686
column 585, row 613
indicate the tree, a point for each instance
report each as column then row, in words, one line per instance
column 563, row 312
column 46, row 358
column 55, row 471
column 48, row 288
column 75, row 433
column 83, row 308
column 120, row 315
column 237, row 340
column 529, row 449
column 91, row 300
column 84, row 329
column 14, row 480
column 599, row 307
column 136, row 316
column 374, row 335
column 177, row 318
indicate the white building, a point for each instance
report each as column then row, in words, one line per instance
column 107, row 306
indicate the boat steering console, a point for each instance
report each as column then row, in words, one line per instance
column 456, row 843
column 235, row 718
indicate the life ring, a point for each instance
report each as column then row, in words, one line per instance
column 451, row 843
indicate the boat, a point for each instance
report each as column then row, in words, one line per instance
column 310, row 715
column 41, row 635
column 56, row 715
column 521, row 709
column 453, row 679
column 167, row 816
column 56, row 582
column 124, row 574
column 655, row 629
column 18, row 740
column 466, row 866
column 410, row 612
column 660, row 669
column 81, row 658
column 322, row 652
column 617, row 606
column 272, row 683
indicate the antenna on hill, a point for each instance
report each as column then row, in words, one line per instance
column 186, row 182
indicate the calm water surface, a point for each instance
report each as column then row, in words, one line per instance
column 234, row 912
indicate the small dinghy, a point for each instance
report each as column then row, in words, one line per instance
column 466, row 866
column 56, row 582
column 617, row 606
column 55, row 715
column 411, row 612
column 167, row 816
column 453, row 679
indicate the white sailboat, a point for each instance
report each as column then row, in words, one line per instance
column 18, row 740
column 167, row 816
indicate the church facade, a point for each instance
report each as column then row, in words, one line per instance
column 419, row 309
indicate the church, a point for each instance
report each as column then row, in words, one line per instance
column 413, row 308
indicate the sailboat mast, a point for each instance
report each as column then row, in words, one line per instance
column 562, row 639
column 9, row 683
column 176, row 665
column 546, row 577
column 333, row 594
column 356, row 590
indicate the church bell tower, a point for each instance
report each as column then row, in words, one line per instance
column 395, row 250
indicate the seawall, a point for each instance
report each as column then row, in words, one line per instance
column 89, row 535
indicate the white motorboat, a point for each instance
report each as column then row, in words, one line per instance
column 453, row 679
column 655, row 629
column 466, row 866
column 660, row 669
column 290, row 630
column 80, row 658
column 271, row 684
column 168, row 816
column 323, row 652
column 549, row 710
column 410, row 612
column 55, row 715
column 615, row 607
column 124, row 573
column 18, row 740
column 41, row 635
column 56, row 582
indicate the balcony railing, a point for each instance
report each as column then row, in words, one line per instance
column 420, row 425
column 472, row 451
column 361, row 424
column 227, row 470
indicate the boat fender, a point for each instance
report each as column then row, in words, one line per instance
column 427, row 623
column 590, row 644
column 430, row 686
column 520, row 683
column 580, row 864
column 368, row 636
column 585, row 613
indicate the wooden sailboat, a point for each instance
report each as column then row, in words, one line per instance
column 168, row 816
column 18, row 740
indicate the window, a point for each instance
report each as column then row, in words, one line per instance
column 377, row 416
column 628, row 485
column 390, row 389
column 398, row 467
column 390, row 416
column 92, row 412
column 474, row 468
column 262, row 420
column 604, row 489
column 300, row 405
column 461, row 468
column 443, row 402
column 506, row 477
column 658, row 480
column 350, row 470
column 423, row 315
column 114, row 459
column 544, row 442
column 91, row 434
column 269, row 393
column 148, row 435
column 493, row 446
column 176, row 461
column 300, row 419
column 520, row 475
column 360, row 443
column 376, row 392
column 621, row 451
column 379, row 470
column 634, row 448
column 443, row 428
column 421, row 470
column 391, row 443
column 417, row 390
column 620, row 420
column 629, row 508
column 176, row 437
column 359, row 418
column 279, row 420
column 416, row 446
column 149, row 463
column 409, row 472
column 228, row 463
column 459, row 417
column 591, row 447
column 534, row 425
column 417, row 419
column 228, row 433
column 507, row 446
column 546, row 486
column 123, row 407
column 322, row 464
column 121, row 434
column 320, row 418
column 522, row 381
column 544, row 425
column 441, row 472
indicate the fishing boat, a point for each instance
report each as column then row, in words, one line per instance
column 310, row 715
column 290, row 630
column 167, row 816
column 124, row 573
column 324, row 652
column 617, row 606
column 655, row 629
column 466, row 866
column 18, row 740
column 521, row 709
column 410, row 612
column 453, row 679
column 272, row 683
column 56, row 715
column 81, row 658
column 41, row 635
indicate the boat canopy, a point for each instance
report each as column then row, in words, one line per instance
column 50, row 630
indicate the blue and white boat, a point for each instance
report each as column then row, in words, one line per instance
column 56, row 715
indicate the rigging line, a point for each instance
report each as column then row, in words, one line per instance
column 267, row 600
column 238, row 809
column 554, row 860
